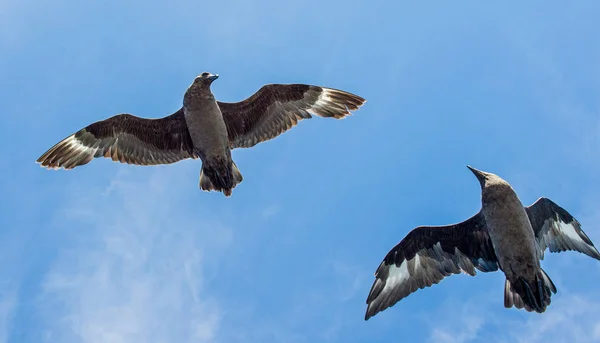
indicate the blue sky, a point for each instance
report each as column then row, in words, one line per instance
column 115, row 253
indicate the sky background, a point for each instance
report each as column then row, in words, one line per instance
column 116, row 253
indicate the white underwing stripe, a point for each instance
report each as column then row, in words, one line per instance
column 326, row 101
column 562, row 236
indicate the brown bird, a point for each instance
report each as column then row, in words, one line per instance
column 203, row 128
column 504, row 235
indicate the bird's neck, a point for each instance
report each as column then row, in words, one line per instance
column 195, row 99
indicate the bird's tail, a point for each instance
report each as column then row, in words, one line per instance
column 219, row 177
column 531, row 295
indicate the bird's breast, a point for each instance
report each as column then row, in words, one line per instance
column 207, row 128
column 511, row 234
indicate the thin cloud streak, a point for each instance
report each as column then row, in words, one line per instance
column 573, row 318
column 137, row 272
column 8, row 300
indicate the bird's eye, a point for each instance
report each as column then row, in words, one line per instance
column 204, row 74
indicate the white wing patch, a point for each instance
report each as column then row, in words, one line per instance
column 561, row 236
column 426, row 267
column 75, row 144
column 324, row 98
column 570, row 231
column 398, row 275
column 409, row 267
column 326, row 101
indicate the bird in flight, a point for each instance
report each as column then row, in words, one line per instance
column 202, row 128
column 504, row 235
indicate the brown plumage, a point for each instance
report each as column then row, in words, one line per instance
column 504, row 235
column 124, row 138
column 202, row 126
column 275, row 109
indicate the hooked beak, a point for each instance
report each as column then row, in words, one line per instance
column 478, row 173
column 213, row 77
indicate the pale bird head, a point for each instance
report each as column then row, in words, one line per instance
column 485, row 178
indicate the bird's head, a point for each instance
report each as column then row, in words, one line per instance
column 485, row 178
column 206, row 78
column 200, row 88
column 493, row 187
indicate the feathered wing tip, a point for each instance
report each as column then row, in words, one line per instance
column 336, row 103
column 68, row 154
column 373, row 307
column 557, row 230
column 211, row 179
column 531, row 296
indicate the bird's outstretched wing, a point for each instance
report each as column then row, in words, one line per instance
column 557, row 230
column 428, row 254
column 276, row 108
column 124, row 138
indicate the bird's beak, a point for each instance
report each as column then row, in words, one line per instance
column 478, row 173
column 213, row 77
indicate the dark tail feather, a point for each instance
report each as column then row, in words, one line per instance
column 533, row 296
column 220, row 179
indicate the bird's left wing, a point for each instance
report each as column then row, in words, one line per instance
column 124, row 138
column 428, row 254
column 276, row 108
column 556, row 229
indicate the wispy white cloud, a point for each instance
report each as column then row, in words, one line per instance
column 456, row 323
column 350, row 279
column 572, row 318
column 135, row 269
column 8, row 300
column 271, row 211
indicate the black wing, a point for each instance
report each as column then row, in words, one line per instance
column 556, row 229
column 124, row 138
column 275, row 109
column 428, row 254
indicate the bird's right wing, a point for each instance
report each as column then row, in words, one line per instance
column 276, row 108
column 127, row 139
column 428, row 254
column 556, row 229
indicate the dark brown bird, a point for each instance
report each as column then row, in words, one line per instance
column 203, row 128
column 503, row 235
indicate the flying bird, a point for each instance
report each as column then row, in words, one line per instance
column 203, row 128
column 504, row 235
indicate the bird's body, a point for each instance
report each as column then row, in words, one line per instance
column 207, row 128
column 504, row 235
column 203, row 128
column 513, row 239
column 208, row 132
